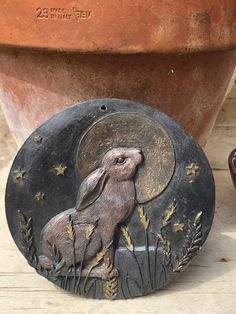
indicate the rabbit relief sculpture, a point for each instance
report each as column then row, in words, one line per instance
column 105, row 199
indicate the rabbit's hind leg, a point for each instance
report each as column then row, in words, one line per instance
column 45, row 262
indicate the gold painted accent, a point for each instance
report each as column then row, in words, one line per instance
column 127, row 236
column 39, row 196
column 37, row 139
column 111, row 286
column 99, row 257
column 70, row 231
column 192, row 169
column 178, row 226
column 169, row 213
column 27, row 232
column 60, row 170
column 96, row 261
column 19, row 174
column 193, row 244
column 143, row 217
column 89, row 231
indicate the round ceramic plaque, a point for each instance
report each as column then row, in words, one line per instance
column 110, row 199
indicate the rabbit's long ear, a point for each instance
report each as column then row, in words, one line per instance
column 91, row 188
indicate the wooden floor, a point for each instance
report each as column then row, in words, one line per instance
column 207, row 286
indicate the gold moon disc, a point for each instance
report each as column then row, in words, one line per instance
column 129, row 129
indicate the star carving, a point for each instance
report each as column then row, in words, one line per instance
column 37, row 139
column 19, row 174
column 60, row 170
column 192, row 169
column 178, row 226
column 39, row 196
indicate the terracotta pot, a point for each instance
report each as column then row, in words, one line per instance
column 178, row 57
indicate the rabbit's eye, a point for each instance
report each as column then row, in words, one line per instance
column 120, row 160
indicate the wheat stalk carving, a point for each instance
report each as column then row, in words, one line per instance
column 27, row 237
column 111, row 283
column 88, row 234
column 143, row 217
column 169, row 213
column 128, row 239
column 95, row 262
column 130, row 246
column 111, row 286
column 71, row 236
column 192, row 245
column 30, row 252
column 160, row 238
column 145, row 222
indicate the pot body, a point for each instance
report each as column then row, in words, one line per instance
column 133, row 26
column 188, row 87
